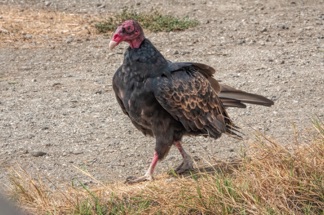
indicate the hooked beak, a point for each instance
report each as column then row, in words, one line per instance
column 116, row 39
column 112, row 44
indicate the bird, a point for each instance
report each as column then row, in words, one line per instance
column 168, row 100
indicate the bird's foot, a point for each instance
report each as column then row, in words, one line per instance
column 133, row 179
column 186, row 165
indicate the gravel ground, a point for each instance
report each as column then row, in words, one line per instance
column 58, row 110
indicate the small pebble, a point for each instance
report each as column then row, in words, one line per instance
column 241, row 42
column 28, row 36
column 25, row 68
column 5, row 31
column 69, row 40
column 100, row 5
column 38, row 153
column 264, row 30
column 47, row 3
column 283, row 26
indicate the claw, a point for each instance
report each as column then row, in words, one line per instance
column 187, row 163
column 148, row 175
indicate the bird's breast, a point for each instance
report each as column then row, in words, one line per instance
column 140, row 103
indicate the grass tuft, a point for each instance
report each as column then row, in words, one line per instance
column 271, row 179
column 153, row 21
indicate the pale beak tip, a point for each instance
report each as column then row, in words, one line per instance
column 112, row 44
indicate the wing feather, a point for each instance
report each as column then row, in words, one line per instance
column 189, row 97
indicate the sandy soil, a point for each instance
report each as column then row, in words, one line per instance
column 58, row 111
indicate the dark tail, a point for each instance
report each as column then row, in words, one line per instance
column 232, row 97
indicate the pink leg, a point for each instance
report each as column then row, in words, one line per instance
column 181, row 150
column 149, row 173
column 187, row 163
column 150, row 170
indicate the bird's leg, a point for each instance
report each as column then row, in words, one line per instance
column 187, row 163
column 149, row 173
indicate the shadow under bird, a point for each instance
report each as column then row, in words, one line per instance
column 168, row 100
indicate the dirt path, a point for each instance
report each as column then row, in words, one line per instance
column 56, row 94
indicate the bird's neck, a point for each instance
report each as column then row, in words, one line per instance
column 145, row 59
column 136, row 43
column 146, row 52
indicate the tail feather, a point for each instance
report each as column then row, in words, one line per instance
column 232, row 103
column 232, row 97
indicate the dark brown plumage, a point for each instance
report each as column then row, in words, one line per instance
column 169, row 100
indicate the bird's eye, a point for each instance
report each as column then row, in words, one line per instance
column 130, row 29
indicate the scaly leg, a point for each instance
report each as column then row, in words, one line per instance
column 187, row 163
column 148, row 175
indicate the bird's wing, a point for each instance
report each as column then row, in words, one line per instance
column 229, row 96
column 205, row 70
column 189, row 97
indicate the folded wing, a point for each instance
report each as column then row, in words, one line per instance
column 190, row 98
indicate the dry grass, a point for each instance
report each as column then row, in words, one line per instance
column 271, row 180
column 39, row 27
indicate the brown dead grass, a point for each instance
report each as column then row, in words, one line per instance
column 270, row 180
column 43, row 27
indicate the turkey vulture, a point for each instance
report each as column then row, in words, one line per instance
column 168, row 100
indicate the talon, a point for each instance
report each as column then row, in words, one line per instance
column 179, row 167
column 130, row 178
column 187, row 163
column 185, row 166
column 148, row 175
